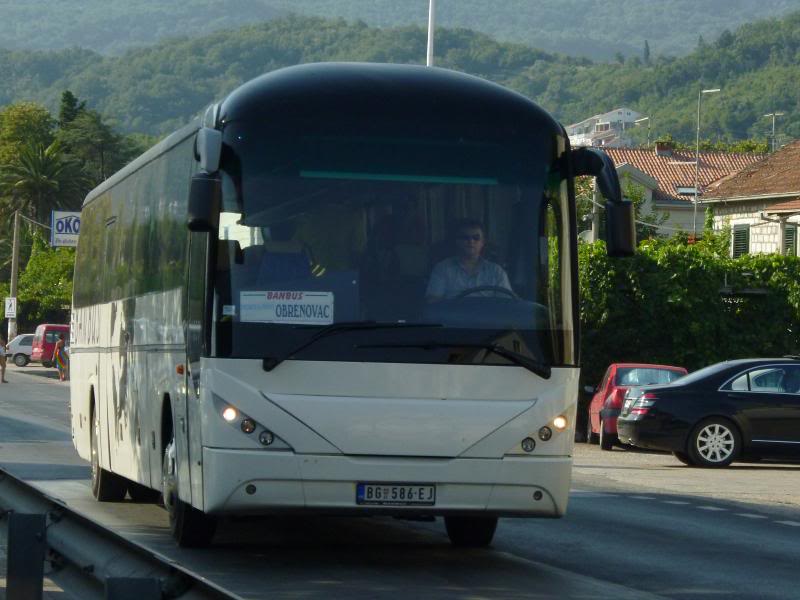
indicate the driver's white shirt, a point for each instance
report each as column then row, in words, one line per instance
column 449, row 278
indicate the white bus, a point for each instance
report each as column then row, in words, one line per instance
column 347, row 289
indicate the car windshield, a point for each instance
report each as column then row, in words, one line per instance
column 646, row 376
column 318, row 230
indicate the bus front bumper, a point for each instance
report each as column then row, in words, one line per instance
column 259, row 482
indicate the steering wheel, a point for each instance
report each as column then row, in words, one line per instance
column 487, row 288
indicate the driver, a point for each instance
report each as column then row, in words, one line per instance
column 467, row 270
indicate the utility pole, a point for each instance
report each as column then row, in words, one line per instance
column 697, row 159
column 773, row 115
column 431, row 25
column 642, row 120
column 12, row 321
column 595, row 213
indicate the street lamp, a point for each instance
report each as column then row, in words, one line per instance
column 642, row 120
column 697, row 158
column 773, row 115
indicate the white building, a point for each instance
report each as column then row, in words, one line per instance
column 607, row 129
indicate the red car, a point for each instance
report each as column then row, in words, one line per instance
column 44, row 342
column 609, row 396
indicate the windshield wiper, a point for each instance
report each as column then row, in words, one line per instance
column 270, row 362
column 539, row 368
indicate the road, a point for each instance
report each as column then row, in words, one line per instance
column 639, row 526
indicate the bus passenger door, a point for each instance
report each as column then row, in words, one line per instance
column 191, row 452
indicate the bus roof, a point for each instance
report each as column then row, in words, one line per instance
column 341, row 92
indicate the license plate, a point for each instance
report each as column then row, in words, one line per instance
column 395, row 494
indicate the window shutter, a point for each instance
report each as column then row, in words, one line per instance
column 790, row 240
column 741, row 240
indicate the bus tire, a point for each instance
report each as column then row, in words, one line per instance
column 191, row 528
column 106, row 486
column 470, row 532
column 142, row 494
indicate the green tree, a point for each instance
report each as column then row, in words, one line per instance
column 69, row 108
column 39, row 179
column 45, row 285
column 21, row 124
column 101, row 150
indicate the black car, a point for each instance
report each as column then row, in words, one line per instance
column 734, row 410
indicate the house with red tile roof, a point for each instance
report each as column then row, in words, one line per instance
column 673, row 173
column 761, row 204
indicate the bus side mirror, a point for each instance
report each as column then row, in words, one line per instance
column 205, row 195
column 620, row 215
column 208, row 149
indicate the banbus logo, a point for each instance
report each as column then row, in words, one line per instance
column 68, row 225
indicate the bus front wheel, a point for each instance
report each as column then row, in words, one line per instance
column 470, row 532
column 191, row 528
column 106, row 486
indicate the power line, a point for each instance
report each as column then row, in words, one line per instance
column 643, row 222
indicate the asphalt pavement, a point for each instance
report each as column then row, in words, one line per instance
column 639, row 525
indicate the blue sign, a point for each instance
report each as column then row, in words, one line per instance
column 65, row 227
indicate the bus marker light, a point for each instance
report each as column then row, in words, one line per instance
column 248, row 425
column 266, row 437
column 179, row 369
column 537, row 495
column 545, row 433
column 528, row 444
column 229, row 414
column 560, row 422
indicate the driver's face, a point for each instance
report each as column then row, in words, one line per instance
column 470, row 243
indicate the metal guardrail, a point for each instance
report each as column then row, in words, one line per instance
column 87, row 559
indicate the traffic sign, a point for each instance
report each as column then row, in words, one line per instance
column 11, row 308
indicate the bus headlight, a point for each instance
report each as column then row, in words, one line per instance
column 257, row 433
column 560, row 422
column 545, row 433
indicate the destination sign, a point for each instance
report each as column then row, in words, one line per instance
column 279, row 306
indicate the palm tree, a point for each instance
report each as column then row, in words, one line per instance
column 40, row 179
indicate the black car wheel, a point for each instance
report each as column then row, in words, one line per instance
column 606, row 439
column 683, row 457
column 591, row 437
column 714, row 442
column 20, row 360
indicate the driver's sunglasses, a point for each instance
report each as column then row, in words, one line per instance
column 475, row 237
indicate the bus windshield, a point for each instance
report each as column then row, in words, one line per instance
column 466, row 238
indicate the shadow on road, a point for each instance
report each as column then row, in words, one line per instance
column 39, row 372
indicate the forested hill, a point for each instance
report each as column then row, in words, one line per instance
column 595, row 28
column 158, row 88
